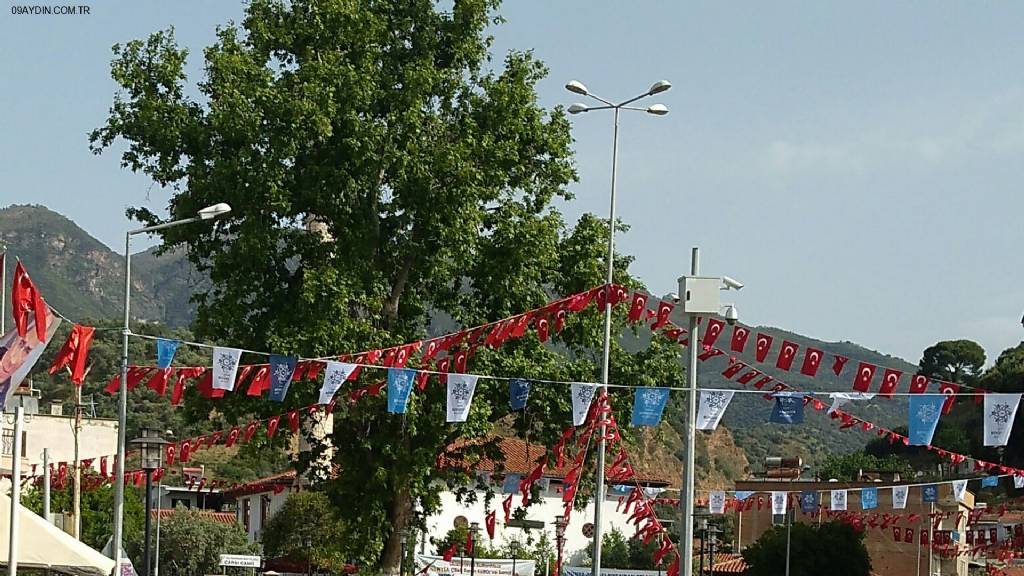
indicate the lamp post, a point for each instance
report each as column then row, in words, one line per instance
column 577, row 87
column 151, row 448
column 699, row 296
column 206, row 214
column 712, row 533
column 559, row 542
column 474, row 529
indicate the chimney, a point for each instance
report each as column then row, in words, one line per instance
column 56, row 408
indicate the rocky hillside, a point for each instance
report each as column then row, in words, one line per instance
column 83, row 278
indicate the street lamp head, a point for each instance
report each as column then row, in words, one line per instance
column 657, row 109
column 577, row 87
column 659, row 87
column 151, row 449
column 214, row 211
column 576, row 108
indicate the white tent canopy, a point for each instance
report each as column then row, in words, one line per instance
column 43, row 545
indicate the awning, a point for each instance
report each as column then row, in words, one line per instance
column 43, row 545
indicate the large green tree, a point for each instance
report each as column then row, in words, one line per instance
column 958, row 361
column 384, row 171
column 191, row 542
column 832, row 548
column 306, row 517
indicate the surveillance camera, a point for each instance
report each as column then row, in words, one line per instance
column 731, row 315
column 732, row 283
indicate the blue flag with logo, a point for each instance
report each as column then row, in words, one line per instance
column 621, row 489
column 929, row 493
column 648, row 404
column 511, row 484
column 809, row 501
column 282, row 368
column 743, row 494
column 869, row 498
column 399, row 387
column 788, row 409
column 165, row 350
column 990, row 482
column 518, row 393
column 923, row 412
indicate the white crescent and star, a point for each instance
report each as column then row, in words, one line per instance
column 866, row 374
column 815, row 357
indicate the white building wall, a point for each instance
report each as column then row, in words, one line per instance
column 256, row 520
column 98, row 437
column 544, row 511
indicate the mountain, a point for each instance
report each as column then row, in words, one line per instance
column 83, row 278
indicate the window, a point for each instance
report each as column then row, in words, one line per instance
column 8, row 442
column 246, row 510
column 185, row 502
column 264, row 510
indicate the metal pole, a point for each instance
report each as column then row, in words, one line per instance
column 12, row 553
column 76, row 488
column 789, row 526
column 3, row 292
column 159, row 507
column 931, row 535
column 691, row 438
column 46, row 484
column 122, row 410
column 606, row 356
column 149, row 500
column 703, row 538
column 919, row 553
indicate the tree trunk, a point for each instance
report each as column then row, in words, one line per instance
column 401, row 511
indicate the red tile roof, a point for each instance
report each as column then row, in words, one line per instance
column 222, row 517
column 728, row 564
column 266, row 484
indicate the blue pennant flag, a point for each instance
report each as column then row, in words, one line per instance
column 511, row 483
column 869, row 498
column 990, row 482
column 809, row 501
column 743, row 494
column 648, row 404
column 399, row 388
column 923, row 412
column 929, row 493
column 621, row 489
column 788, row 409
column 165, row 350
column 518, row 393
column 282, row 368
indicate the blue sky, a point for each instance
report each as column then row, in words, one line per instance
column 857, row 165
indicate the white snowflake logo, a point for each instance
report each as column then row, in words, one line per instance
column 335, row 379
column 1001, row 413
column 717, row 500
column 584, row 394
column 226, row 362
column 401, row 383
column 460, row 391
column 840, row 498
column 808, row 500
column 927, row 413
column 651, row 397
column 282, row 372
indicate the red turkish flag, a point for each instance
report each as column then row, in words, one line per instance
column 838, row 363
column 542, row 329
column 734, row 369
column 748, row 377
column 764, row 344
column 638, row 307
column 489, row 521
column 184, row 451
column 103, row 466
column 713, row 331
column 158, row 383
column 664, row 309
column 739, row 339
column 272, row 424
column 908, row 535
column 459, row 361
column 432, row 349
column 618, row 294
column 918, row 384
column 602, row 297
column 506, row 505
column 422, row 378
column 890, row 380
column 786, row 355
column 250, row 429
column 812, row 360
column 75, row 352
column 169, row 451
column 760, row 383
column 897, row 533
column 924, row 537
column 709, row 353
column 560, row 320
column 950, row 389
column 865, row 373
column 293, row 421
column 450, row 552
column 232, row 437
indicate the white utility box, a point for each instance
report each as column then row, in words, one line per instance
column 700, row 294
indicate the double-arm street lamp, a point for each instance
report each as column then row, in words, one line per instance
column 577, row 87
column 206, row 214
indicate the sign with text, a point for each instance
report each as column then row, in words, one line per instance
column 240, row 561
column 436, row 566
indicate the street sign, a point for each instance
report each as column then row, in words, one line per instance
column 240, row 561
column 527, row 524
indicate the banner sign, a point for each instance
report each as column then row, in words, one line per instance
column 436, row 566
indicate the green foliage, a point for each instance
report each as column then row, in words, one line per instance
column 833, row 548
column 308, row 517
column 435, row 173
column 191, row 543
column 97, row 513
column 619, row 552
column 846, row 467
column 954, row 361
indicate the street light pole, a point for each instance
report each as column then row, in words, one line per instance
column 658, row 110
column 206, row 214
column 691, row 432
